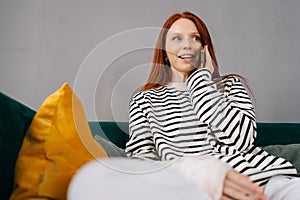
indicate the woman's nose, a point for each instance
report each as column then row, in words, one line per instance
column 186, row 43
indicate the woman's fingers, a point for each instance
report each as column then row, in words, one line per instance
column 225, row 198
column 202, row 54
column 208, row 61
column 233, row 191
column 243, row 181
column 238, row 186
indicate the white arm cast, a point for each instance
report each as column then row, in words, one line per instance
column 207, row 172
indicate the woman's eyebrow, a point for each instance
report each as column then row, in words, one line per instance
column 177, row 33
column 194, row 33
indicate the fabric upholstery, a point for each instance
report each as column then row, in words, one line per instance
column 15, row 119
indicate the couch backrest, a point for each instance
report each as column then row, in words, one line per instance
column 267, row 133
column 277, row 133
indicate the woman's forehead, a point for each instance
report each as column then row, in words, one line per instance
column 183, row 26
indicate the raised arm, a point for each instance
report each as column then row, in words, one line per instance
column 229, row 113
column 140, row 144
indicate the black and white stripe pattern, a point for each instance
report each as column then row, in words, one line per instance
column 167, row 123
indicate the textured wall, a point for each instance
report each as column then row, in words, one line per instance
column 103, row 49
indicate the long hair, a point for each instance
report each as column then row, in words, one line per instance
column 161, row 72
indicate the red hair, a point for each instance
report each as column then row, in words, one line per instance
column 160, row 73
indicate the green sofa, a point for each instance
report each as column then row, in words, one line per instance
column 268, row 133
column 281, row 139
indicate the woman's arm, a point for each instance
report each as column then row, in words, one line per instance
column 140, row 144
column 218, row 179
column 230, row 113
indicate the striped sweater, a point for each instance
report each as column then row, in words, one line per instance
column 200, row 119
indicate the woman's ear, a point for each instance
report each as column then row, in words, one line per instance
column 166, row 60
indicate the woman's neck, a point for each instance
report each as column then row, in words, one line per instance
column 178, row 77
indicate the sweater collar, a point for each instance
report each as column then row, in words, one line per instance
column 182, row 86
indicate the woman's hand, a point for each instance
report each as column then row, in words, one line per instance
column 207, row 62
column 239, row 186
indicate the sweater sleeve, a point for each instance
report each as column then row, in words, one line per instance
column 229, row 114
column 140, row 144
column 206, row 172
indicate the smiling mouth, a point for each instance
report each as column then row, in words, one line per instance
column 187, row 57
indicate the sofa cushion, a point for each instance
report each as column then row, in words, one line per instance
column 116, row 132
column 290, row 152
column 15, row 119
column 110, row 148
column 57, row 143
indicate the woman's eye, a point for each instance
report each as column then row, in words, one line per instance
column 177, row 38
column 196, row 38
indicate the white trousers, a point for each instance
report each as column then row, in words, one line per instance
column 283, row 188
column 115, row 179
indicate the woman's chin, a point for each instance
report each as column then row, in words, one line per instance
column 189, row 67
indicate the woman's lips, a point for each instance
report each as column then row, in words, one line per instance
column 186, row 57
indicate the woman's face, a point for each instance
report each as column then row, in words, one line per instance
column 183, row 47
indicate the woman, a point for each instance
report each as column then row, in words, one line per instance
column 186, row 109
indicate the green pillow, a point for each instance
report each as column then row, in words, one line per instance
column 112, row 136
column 290, row 152
column 110, row 148
column 115, row 132
column 15, row 118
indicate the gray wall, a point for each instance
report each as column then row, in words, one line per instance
column 103, row 49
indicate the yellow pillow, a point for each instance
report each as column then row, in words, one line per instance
column 56, row 144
